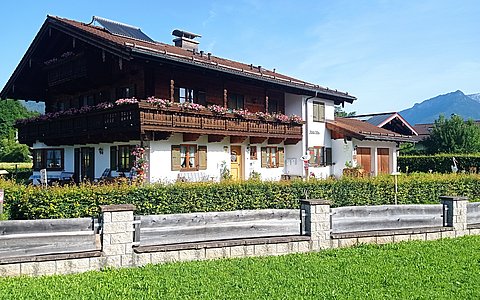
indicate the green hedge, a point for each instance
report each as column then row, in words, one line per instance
column 28, row 202
column 440, row 163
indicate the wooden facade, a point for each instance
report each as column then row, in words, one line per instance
column 148, row 122
column 78, row 75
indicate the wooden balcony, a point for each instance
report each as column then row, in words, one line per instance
column 148, row 122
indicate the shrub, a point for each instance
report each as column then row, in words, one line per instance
column 440, row 163
column 28, row 202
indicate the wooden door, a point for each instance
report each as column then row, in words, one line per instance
column 84, row 164
column 236, row 162
column 364, row 158
column 383, row 160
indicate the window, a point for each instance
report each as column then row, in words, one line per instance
column 318, row 112
column 235, row 101
column 182, row 95
column 189, row 158
column 320, row 156
column 86, row 100
column 253, row 152
column 272, row 157
column 125, row 158
column 50, row 159
column 273, row 106
column 126, row 92
column 316, row 156
column 121, row 158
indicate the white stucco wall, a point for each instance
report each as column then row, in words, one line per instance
column 294, row 104
column 343, row 152
column 217, row 153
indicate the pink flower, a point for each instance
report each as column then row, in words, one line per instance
column 217, row 109
column 126, row 101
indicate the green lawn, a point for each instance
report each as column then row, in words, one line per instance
column 445, row 269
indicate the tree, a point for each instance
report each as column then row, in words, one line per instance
column 10, row 150
column 453, row 135
column 339, row 112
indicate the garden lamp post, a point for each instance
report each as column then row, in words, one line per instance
column 395, row 175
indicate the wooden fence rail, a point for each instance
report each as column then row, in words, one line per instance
column 473, row 213
column 386, row 217
column 211, row 226
column 20, row 238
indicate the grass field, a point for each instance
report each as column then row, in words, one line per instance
column 445, row 269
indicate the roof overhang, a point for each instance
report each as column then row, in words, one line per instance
column 364, row 135
column 130, row 51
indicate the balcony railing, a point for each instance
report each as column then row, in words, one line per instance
column 127, row 122
column 204, row 122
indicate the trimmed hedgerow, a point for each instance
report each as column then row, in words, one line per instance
column 28, row 202
column 440, row 163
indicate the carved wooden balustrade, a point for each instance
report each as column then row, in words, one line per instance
column 131, row 121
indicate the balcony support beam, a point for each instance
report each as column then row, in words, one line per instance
column 257, row 139
column 190, row 137
column 291, row 141
column 212, row 138
column 237, row 139
column 275, row 141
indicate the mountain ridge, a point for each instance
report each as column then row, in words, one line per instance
column 427, row 111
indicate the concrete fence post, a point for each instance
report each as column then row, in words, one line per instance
column 117, row 234
column 455, row 213
column 316, row 222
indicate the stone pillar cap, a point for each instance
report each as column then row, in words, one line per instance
column 117, row 207
column 454, row 198
column 315, row 201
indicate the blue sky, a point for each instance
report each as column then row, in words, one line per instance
column 390, row 54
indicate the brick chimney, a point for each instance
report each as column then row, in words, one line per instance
column 185, row 40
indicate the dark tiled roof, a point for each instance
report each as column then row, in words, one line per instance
column 384, row 120
column 364, row 131
column 186, row 56
column 374, row 119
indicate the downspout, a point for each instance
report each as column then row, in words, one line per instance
column 306, row 127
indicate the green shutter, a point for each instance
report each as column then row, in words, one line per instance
column 176, row 160
column 202, row 157
column 113, row 158
column 264, row 157
column 281, row 157
column 328, row 156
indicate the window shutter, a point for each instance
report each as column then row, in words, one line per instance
column 281, row 157
column 264, row 157
column 312, row 156
column 315, row 111
column 113, row 158
column 176, row 158
column 202, row 157
column 328, row 156
column 321, row 112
